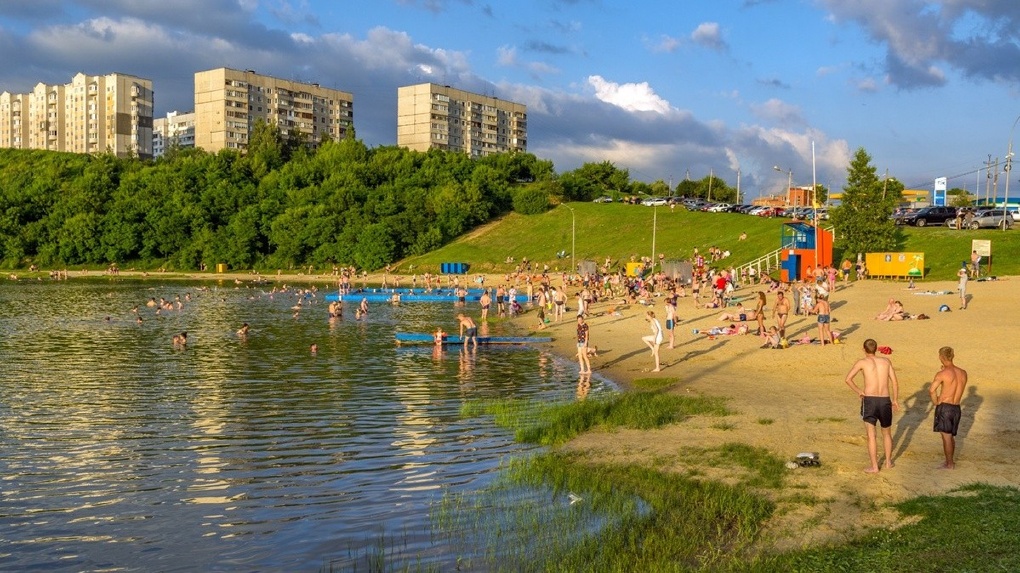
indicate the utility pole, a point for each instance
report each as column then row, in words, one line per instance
column 988, row 177
column 995, row 181
column 739, row 202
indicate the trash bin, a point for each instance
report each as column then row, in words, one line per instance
column 221, row 267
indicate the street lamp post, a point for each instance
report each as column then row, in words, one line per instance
column 573, row 265
column 655, row 213
column 1006, row 168
column 789, row 180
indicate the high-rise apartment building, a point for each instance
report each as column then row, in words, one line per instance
column 14, row 120
column 433, row 116
column 228, row 103
column 92, row 114
column 175, row 130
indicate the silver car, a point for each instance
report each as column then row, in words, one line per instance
column 985, row 219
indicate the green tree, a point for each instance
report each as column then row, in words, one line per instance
column 594, row 179
column 959, row 197
column 863, row 220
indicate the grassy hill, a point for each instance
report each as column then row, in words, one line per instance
column 622, row 231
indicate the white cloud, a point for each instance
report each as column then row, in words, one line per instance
column 709, row 35
column 778, row 111
column 631, row 97
column 506, row 56
column 665, row 44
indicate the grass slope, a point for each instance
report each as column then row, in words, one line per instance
column 622, row 231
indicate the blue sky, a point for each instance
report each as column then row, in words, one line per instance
column 662, row 88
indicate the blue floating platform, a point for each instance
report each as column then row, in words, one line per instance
column 411, row 295
column 427, row 338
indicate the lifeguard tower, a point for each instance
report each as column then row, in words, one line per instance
column 804, row 246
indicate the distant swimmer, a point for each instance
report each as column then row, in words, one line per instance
column 243, row 331
column 181, row 340
column 138, row 320
column 439, row 336
column 314, row 348
column 364, row 306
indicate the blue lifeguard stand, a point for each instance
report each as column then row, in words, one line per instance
column 804, row 246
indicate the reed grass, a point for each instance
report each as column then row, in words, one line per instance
column 605, row 517
column 554, row 424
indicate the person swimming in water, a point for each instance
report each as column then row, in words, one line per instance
column 181, row 340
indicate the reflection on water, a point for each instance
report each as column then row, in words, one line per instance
column 237, row 453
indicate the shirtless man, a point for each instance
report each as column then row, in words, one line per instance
column 952, row 379
column 671, row 318
column 468, row 330
column 876, row 405
column 560, row 298
column 485, row 300
column 822, row 309
column 780, row 312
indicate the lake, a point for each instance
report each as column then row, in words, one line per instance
column 121, row 453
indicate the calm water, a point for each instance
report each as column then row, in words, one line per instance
column 119, row 453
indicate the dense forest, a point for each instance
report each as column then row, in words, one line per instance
column 275, row 206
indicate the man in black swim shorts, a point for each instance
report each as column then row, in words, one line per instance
column 877, row 403
column 952, row 380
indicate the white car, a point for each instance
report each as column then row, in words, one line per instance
column 655, row 202
column 720, row 208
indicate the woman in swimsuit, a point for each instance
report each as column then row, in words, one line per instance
column 655, row 339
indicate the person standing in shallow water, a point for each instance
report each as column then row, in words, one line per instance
column 952, row 379
column 582, row 346
column 876, row 405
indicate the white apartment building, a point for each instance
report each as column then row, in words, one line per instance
column 228, row 103
column 91, row 114
column 176, row 129
column 433, row 116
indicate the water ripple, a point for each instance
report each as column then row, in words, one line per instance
column 119, row 452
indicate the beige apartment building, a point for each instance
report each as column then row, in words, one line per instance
column 431, row 116
column 229, row 102
column 92, row 114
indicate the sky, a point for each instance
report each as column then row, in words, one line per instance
column 667, row 89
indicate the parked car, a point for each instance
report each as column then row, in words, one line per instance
column 986, row 219
column 769, row 212
column 928, row 216
column 655, row 202
column 720, row 208
column 603, row 199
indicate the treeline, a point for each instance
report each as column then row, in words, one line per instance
column 273, row 207
column 278, row 205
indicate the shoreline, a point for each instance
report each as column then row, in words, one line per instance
column 794, row 400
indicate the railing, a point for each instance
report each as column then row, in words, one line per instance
column 762, row 265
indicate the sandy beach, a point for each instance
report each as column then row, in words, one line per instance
column 795, row 400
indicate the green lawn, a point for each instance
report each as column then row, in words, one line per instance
column 622, row 231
